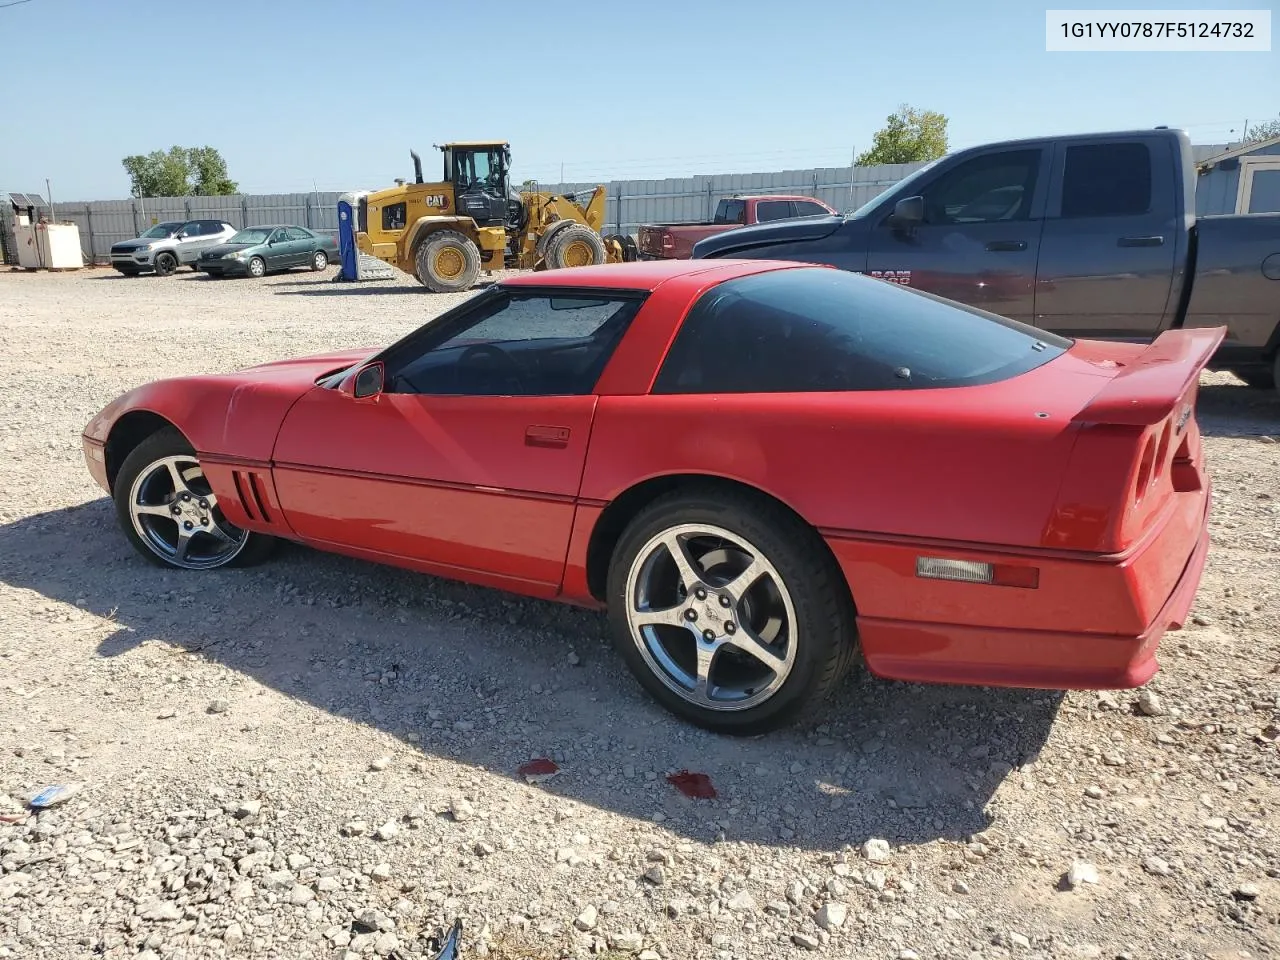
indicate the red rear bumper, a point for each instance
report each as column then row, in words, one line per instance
column 904, row 648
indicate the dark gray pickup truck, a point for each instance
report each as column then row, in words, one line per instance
column 1087, row 236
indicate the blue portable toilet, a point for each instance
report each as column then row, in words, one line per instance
column 354, row 264
column 348, row 253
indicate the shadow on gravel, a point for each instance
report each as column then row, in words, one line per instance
column 484, row 678
column 1228, row 410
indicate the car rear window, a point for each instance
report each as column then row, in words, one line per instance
column 816, row 330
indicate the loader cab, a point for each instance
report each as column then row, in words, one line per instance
column 480, row 174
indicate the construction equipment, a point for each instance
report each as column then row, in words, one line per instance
column 445, row 233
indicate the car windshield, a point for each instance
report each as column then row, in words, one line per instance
column 161, row 230
column 901, row 185
column 251, row 236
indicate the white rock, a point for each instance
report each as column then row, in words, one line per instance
column 831, row 916
column 805, row 940
column 250, row 808
column 1081, row 873
column 628, row 941
column 1020, row 940
column 381, row 872
column 462, row 810
column 586, row 920
column 908, row 954
column 960, row 887
column 795, row 892
column 877, row 851
column 233, row 934
column 656, row 875
column 300, row 895
column 380, row 763
column 386, row 944
column 1157, row 866
column 742, row 902
column 387, row 831
column 1149, row 704
column 162, row 910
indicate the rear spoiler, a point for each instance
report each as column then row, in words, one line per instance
column 1146, row 390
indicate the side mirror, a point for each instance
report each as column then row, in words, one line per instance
column 907, row 213
column 367, row 382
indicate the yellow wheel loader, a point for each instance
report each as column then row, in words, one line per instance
column 445, row 233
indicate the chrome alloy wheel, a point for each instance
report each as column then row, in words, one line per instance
column 711, row 617
column 175, row 513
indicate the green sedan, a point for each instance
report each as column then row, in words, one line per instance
column 256, row 251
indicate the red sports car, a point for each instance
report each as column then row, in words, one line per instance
column 758, row 467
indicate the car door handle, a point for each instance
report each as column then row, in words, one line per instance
column 1140, row 242
column 1005, row 246
column 542, row 436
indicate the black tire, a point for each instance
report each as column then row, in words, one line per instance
column 257, row 268
column 319, row 261
column 825, row 634
column 572, row 245
column 437, row 257
column 165, row 263
column 195, row 266
column 169, row 442
column 1260, row 378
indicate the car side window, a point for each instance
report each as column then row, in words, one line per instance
column 297, row 233
column 807, row 208
column 767, row 210
column 1106, row 180
column 813, row 330
column 278, row 236
column 731, row 211
column 992, row 188
column 514, row 343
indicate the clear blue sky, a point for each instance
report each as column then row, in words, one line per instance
column 335, row 93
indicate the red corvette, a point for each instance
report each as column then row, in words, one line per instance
column 759, row 468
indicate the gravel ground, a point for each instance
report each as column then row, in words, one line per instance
column 318, row 757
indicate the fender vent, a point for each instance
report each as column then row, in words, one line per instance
column 249, row 490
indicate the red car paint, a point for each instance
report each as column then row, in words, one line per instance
column 1087, row 471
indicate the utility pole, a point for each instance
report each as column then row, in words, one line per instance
column 853, row 156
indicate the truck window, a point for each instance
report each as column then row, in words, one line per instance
column 767, row 210
column 1106, row 180
column 987, row 189
column 730, row 211
column 807, row 208
column 393, row 216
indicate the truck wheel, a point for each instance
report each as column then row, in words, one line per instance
column 627, row 247
column 575, row 246
column 166, row 263
column 448, row 262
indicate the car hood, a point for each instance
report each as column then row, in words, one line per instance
column 781, row 231
column 222, row 249
column 134, row 244
column 307, row 369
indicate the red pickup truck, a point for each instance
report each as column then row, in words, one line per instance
column 674, row 241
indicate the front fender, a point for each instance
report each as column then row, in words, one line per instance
column 217, row 415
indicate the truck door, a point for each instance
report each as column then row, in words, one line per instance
column 980, row 235
column 1111, row 237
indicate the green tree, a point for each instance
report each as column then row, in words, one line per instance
column 179, row 172
column 909, row 135
column 1263, row 131
column 209, row 171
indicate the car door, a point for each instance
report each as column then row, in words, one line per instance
column 302, row 246
column 186, row 244
column 277, row 250
column 1111, row 238
column 470, row 460
column 980, row 236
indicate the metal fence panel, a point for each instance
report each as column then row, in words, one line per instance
column 630, row 202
